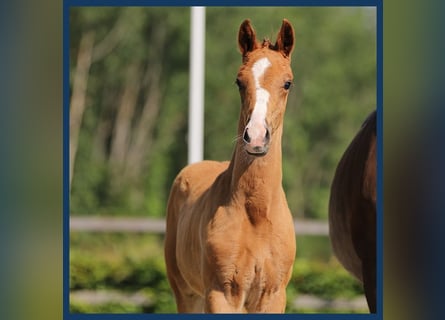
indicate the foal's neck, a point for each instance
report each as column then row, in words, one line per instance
column 256, row 180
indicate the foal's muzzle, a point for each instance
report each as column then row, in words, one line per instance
column 256, row 140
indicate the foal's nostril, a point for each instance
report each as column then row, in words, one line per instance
column 267, row 136
column 246, row 137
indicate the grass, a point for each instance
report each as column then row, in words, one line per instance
column 134, row 263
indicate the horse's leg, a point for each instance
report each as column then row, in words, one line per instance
column 369, row 283
column 369, row 261
column 216, row 301
column 274, row 303
column 173, row 274
column 187, row 301
column 364, row 238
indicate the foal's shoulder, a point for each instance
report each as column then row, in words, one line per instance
column 206, row 167
column 200, row 174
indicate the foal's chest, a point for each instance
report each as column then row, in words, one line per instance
column 251, row 263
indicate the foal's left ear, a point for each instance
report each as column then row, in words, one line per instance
column 285, row 39
column 246, row 38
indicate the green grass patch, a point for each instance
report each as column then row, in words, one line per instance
column 135, row 263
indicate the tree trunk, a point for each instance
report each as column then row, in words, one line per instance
column 78, row 97
column 143, row 132
column 122, row 126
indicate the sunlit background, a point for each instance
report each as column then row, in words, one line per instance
column 129, row 81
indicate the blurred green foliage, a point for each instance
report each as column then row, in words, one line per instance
column 323, row 280
column 134, row 263
column 147, row 50
column 128, row 263
column 133, row 132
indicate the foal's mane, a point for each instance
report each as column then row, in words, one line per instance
column 266, row 43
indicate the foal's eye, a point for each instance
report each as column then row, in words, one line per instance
column 287, row 85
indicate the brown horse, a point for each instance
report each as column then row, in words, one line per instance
column 352, row 209
column 230, row 241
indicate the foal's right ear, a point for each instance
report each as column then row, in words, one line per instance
column 246, row 38
column 286, row 38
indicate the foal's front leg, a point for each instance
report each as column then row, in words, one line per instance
column 218, row 302
column 224, row 300
column 274, row 302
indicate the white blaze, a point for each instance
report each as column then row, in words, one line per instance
column 257, row 123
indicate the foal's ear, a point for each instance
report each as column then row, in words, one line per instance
column 246, row 37
column 285, row 39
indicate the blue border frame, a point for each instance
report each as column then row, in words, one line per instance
column 380, row 158
column 67, row 4
column 238, row 3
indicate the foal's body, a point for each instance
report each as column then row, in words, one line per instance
column 230, row 241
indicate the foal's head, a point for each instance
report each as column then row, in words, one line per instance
column 264, row 80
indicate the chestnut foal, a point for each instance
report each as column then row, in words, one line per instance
column 230, row 241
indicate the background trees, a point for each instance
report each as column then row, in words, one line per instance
column 129, row 86
column 128, row 132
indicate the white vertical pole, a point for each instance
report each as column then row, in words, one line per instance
column 196, row 86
